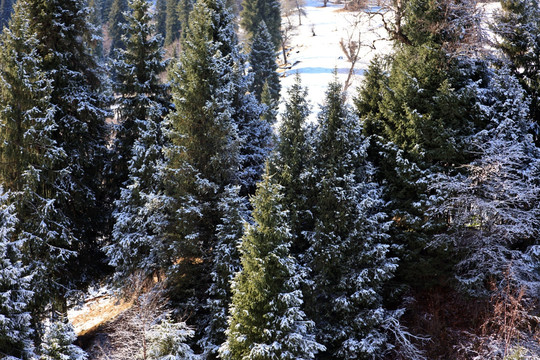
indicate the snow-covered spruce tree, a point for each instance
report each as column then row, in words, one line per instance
column 262, row 59
column 255, row 11
column 267, row 321
column 225, row 264
column 140, row 92
column 16, row 333
column 291, row 163
column 37, row 174
column 420, row 117
column 142, row 105
column 217, row 139
column 203, row 154
column 116, row 24
column 492, row 210
column 347, row 256
column 58, row 342
column 517, row 27
column 167, row 341
column 63, row 35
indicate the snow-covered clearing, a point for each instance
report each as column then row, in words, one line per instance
column 315, row 52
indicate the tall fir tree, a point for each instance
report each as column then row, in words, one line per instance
column 16, row 333
column 172, row 22
column 142, row 104
column 116, row 24
column 420, row 118
column 63, row 33
column 347, row 253
column 203, row 154
column 37, row 174
column 161, row 17
column 291, row 164
column 255, row 11
column 217, row 139
column 516, row 26
column 492, row 209
column 267, row 320
column 96, row 21
column 262, row 59
column 225, row 264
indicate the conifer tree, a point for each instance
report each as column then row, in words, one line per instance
column 37, row 174
column 58, row 342
column 346, row 254
column 203, row 154
column 141, row 106
column 517, row 29
column 63, row 33
column 262, row 60
column 172, row 22
column 96, row 21
column 136, row 79
column 255, row 11
column 267, row 321
column 225, row 264
column 492, row 210
column 270, row 106
column 161, row 17
column 167, row 340
column 16, row 333
column 291, row 164
column 116, row 24
column 217, row 139
column 420, row 118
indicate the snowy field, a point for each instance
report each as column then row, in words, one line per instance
column 315, row 52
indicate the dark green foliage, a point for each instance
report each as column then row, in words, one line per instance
column 37, row 173
column 262, row 60
column 96, row 20
column 63, row 33
column 140, row 91
column 347, row 254
column 116, row 22
column 291, row 163
column 420, row 107
column 172, row 22
column 266, row 318
column 142, row 104
column 256, row 11
column 16, row 333
column 161, row 18
column 204, row 150
column 225, row 264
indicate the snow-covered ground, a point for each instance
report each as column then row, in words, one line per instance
column 315, row 52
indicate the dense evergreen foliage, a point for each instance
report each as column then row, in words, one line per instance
column 141, row 105
column 262, row 59
column 266, row 318
column 116, row 24
column 405, row 228
column 256, row 11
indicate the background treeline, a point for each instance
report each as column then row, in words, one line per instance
column 403, row 226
